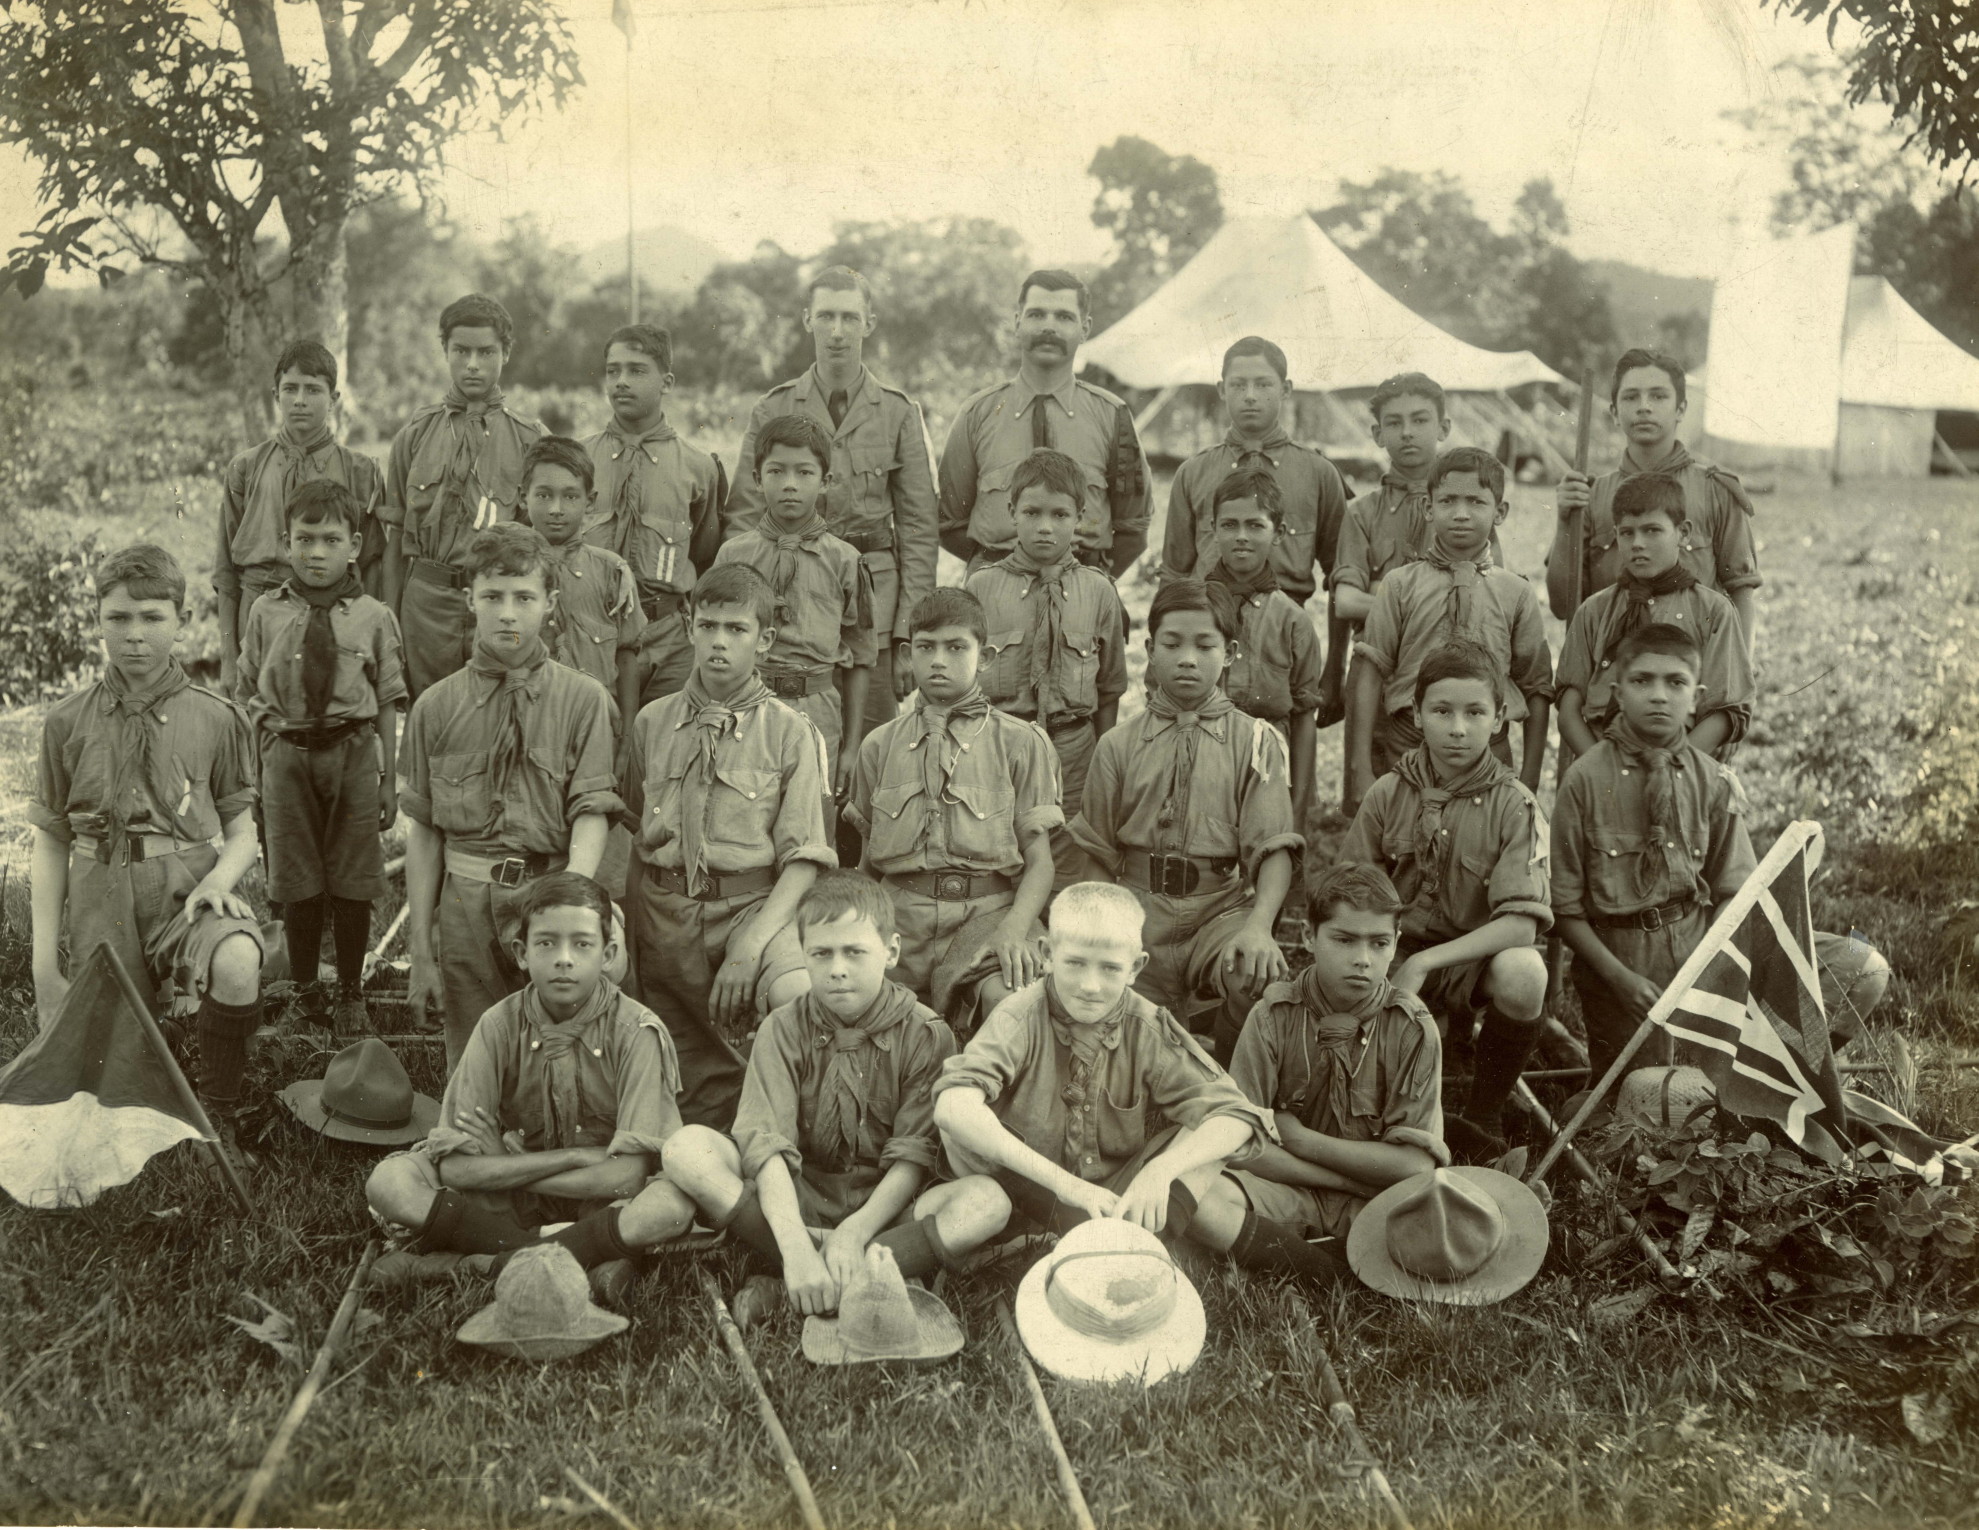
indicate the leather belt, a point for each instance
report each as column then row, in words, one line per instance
column 501, row 870
column 328, row 736
column 659, row 604
column 868, row 541
column 947, row 886
column 715, row 885
column 433, row 571
column 1173, row 876
column 795, row 687
column 1066, row 725
column 143, row 847
column 1645, row 919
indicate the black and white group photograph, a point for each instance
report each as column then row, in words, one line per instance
column 1000, row 764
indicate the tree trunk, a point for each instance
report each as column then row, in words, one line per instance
column 319, row 299
column 243, row 307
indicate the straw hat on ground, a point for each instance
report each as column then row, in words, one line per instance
column 1461, row 1235
column 881, row 1317
column 1663, row 1097
column 1108, row 1304
column 542, row 1308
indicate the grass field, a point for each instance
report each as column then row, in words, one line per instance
column 127, row 1396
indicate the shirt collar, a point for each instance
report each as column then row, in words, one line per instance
column 1215, row 727
column 812, row 385
column 1109, row 1030
column 1065, row 396
column 1272, row 444
column 286, row 591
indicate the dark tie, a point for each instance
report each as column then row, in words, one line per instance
column 319, row 663
column 836, row 406
column 1040, row 424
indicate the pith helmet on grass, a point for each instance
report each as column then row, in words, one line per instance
column 542, row 1308
column 881, row 1317
column 1108, row 1304
column 1663, row 1097
column 1461, row 1235
column 363, row 1096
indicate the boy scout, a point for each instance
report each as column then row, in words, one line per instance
column 1654, row 588
column 595, row 624
column 1465, row 844
column 1275, row 666
column 1350, row 1065
column 1045, row 405
column 662, row 500
column 822, row 659
column 583, row 1076
column 1081, row 1098
column 322, row 677
column 508, row 775
column 955, row 800
column 1647, row 400
column 252, row 557
column 728, row 787
column 881, row 494
column 455, row 470
column 1057, row 631
column 835, row 1130
column 138, row 773
column 1190, row 805
column 1452, row 591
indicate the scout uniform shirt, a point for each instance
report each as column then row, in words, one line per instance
column 605, row 1078
column 1315, row 503
column 999, row 427
column 253, row 554
column 455, row 469
column 1091, row 1097
column 881, row 497
column 1587, row 661
column 841, row 1102
column 824, row 600
column 1718, row 546
column 661, row 510
column 1083, row 629
column 1276, row 671
column 370, row 661
column 1383, row 530
column 1462, row 854
column 1424, row 604
column 940, row 789
column 597, row 614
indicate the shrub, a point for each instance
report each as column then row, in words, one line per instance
column 48, row 633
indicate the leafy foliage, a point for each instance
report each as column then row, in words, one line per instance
column 1159, row 208
column 47, row 616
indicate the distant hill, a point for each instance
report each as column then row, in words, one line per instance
column 1640, row 298
column 671, row 260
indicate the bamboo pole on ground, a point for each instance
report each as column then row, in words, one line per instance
column 1068, row 1480
column 1346, row 1423
column 793, row 1469
column 1665, row 1270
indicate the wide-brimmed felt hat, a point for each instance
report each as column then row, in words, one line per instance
column 1462, row 1235
column 542, row 1308
column 881, row 1317
column 363, row 1096
column 1108, row 1304
column 1664, row 1096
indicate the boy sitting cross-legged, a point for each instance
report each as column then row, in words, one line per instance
column 956, row 802
column 557, row 1112
column 322, row 676
column 728, row 787
column 1190, row 805
column 835, row 1129
column 1466, row 845
column 139, row 772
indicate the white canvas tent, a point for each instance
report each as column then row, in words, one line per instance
column 1284, row 279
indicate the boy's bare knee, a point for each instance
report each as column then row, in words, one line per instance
column 787, row 989
column 234, row 975
column 400, row 1191
column 694, row 1153
column 975, row 1210
column 1517, row 982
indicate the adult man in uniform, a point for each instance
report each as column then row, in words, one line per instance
column 1045, row 405
column 881, row 497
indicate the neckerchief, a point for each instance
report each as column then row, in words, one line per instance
column 1047, row 619
column 627, row 503
column 1629, row 608
column 1330, row 1101
column 783, row 569
column 848, row 1047
column 558, row 1042
column 1659, row 798
column 468, row 420
column 295, row 456
column 516, row 683
column 1189, row 730
column 319, row 641
column 711, row 720
column 1086, row 1041
column 1263, row 582
column 1245, row 456
column 938, row 725
column 1466, row 579
column 131, row 752
column 1418, row 771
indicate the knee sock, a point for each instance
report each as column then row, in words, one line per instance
column 917, row 1248
column 748, row 1223
column 1263, row 1245
column 594, row 1239
column 1498, row 1057
column 223, row 1032
column 350, row 931
column 302, row 922
column 461, row 1226
column 1181, row 1210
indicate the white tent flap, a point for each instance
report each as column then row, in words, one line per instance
column 1895, row 358
column 1776, row 341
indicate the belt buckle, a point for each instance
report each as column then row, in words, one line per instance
column 512, row 872
column 951, row 887
column 1652, row 918
column 1172, row 881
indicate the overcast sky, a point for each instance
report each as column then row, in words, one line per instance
column 775, row 118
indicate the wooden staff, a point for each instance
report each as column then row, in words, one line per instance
column 624, row 1520
column 1068, row 1480
column 1558, row 957
column 1666, row 1271
column 793, row 1469
column 278, row 1447
column 1340, row 1413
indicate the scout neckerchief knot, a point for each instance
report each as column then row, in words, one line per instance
column 1047, row 619
column 468, row 419
column 783, row 569
column 938, row 724
column 1335, row 1077
column 1241, row 589
column 1659, row 798
column 1466, row 581
column 319, row 641
column 1630, row 609
column 1415, row 768
column 132, row 761
column 514, row 683
column 848, row 1048
column 711, row 719
column 1189, row 730
column 627, row 505
column 558, row 1043
column 296, row 455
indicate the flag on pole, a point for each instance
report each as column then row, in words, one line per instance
column 88, row 1102
column 622, row 18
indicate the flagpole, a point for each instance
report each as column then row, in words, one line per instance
column 631, row 237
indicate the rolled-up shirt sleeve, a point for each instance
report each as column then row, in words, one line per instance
column 1412, row 1110
column 1265, row 821
column 415, row 775
column 923, row 1050
column 995, row 1055
column 1189, row 1088
column 1519, row 880
column 1096, row 829
column 766, row 1114
column 1381, row 637
column 648, row 1090
column 592, row 788
column 1034, row 773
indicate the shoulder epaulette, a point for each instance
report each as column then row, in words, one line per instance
column 1727, row 480
column 1730, row 778
column 899, row 393
column 1095, row 388
column 226, row 701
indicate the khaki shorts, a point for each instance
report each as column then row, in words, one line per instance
column 138, row 907
column 1327, row 1212
column 320, row 810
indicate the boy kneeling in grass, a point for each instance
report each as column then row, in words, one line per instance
column 1465, row 843
column 556, row 1113
column 835, row 1130
column 1080, row 1098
